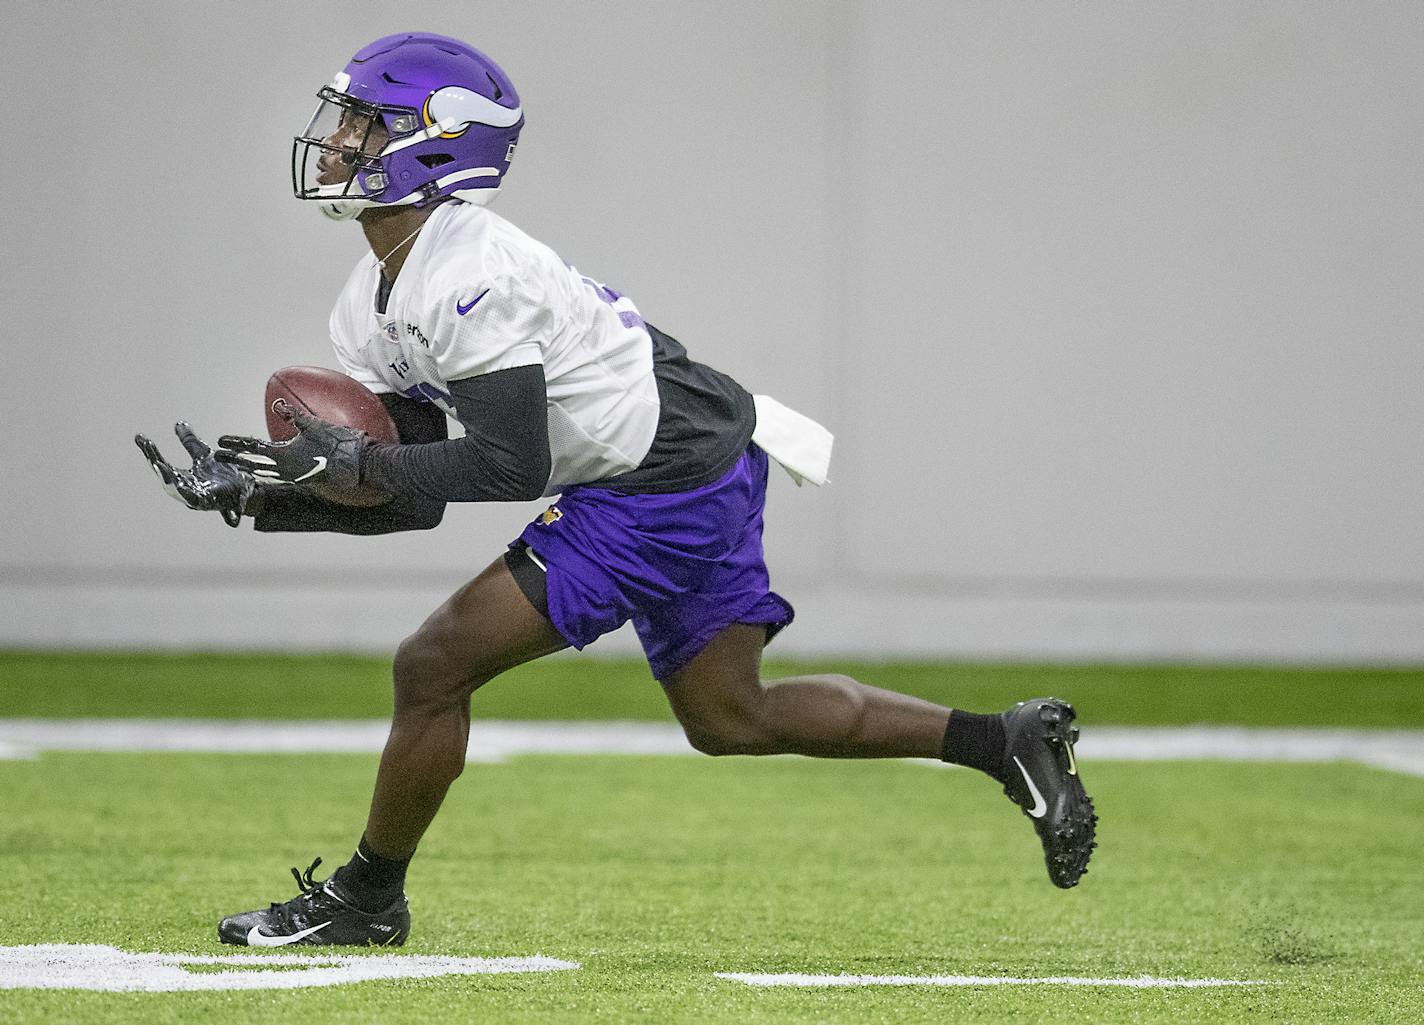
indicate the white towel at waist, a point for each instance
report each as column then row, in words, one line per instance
column 798, row 443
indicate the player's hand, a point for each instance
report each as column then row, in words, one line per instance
column 208, row 485
column 321, row 453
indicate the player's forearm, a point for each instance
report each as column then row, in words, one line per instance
column 284, row 509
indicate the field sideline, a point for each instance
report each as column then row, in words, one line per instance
column 151, row 685
column 655, row 874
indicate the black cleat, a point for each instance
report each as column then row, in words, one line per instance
column 322, row 913
column 1040, row 775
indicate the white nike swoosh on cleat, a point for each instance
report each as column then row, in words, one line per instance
column 1040, row 806
column 256, row 938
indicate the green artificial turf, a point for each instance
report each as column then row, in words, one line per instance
column 581, row 687
column 656, row 872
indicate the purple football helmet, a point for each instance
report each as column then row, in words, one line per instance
column 413, row 119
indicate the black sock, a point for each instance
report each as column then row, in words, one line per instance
column 373, row 882
column 976, row 741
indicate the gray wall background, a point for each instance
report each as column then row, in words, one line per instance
column 1115, row 309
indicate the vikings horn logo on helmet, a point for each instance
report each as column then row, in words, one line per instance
column 455, row 110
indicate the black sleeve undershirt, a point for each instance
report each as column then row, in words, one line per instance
column 503, row 457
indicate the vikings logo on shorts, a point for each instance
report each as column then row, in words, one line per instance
column 551, row 515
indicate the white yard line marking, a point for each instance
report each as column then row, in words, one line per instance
column 1134, row 982
column 494, row 741
column 490, row 741
column 96, row 967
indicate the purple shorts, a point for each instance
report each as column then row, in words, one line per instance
column 683, row 567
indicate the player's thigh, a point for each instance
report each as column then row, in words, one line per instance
column 720, row 689
column 483, row 629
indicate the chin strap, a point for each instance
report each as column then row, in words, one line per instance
column 346, row 209
column 338, row 210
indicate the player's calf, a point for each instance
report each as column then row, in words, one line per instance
column 818, row 716
column 730, row 738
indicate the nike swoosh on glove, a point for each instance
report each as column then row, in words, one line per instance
column 321, row 453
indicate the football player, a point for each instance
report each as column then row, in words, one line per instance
column 659, row 465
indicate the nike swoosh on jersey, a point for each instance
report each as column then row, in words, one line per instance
column 464, row 308
column 320, row 462
column 1040, row 806
column 256, row 937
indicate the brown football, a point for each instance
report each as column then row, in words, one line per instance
column 337, row 399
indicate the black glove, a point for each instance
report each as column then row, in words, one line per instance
column 209, row 484
column 321, row 453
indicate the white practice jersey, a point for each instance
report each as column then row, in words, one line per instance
column 477, row 295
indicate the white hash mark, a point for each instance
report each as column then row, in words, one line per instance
column 1131, row 982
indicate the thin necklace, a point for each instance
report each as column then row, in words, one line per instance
column 382, row 261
